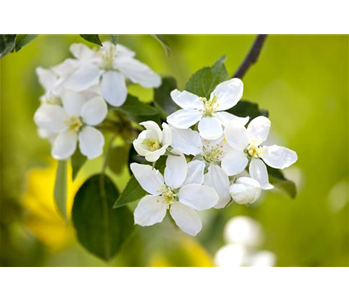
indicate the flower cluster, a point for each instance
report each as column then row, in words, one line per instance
column 77, row 92
column 213, row 158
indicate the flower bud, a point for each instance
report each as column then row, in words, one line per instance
column 245, row 190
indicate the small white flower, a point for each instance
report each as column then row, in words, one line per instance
column 245, row 190
column 208, row 112
column 152, row 142
column 178, row 191
column 71, row 123
column 208, row 155
column 109, row 67
column 247, row 144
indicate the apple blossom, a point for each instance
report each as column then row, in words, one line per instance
column 177, row 191
column 109, row 67
column 152, row 142
column 74, row 121
column 248, row 147
column 245, row 190
column 208, row 112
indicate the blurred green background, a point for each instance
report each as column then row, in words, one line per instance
column 301, row 80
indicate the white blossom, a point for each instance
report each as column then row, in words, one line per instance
column 208, row 112
column 245, row 190
column 109, row 67
column 248, row 146
column 72, row 122
column 152, row 142
column 178, row 191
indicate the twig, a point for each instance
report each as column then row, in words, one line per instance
column 251, row 57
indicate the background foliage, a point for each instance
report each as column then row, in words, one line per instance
column 301, row 80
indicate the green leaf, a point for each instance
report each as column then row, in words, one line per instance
column 77, row 161
column 162, row 96
column 7, row 43
column 132, row 192
column 162, row 40
column 92, row 38
column 277, row 178
column 204, row 81
column 246, row 108
column 101, row 229
column 118, row 157
column 24, row 39
column 114, row 38
column 139, row 111
column 60, row 191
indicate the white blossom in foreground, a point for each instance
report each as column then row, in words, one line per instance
column 208, row 112
column 177, row 191
column 208, row 155
column 152, row 142
column 109, row 67
column 247, row 144
column 245, row 190
column 72, row 122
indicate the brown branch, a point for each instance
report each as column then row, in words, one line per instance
column 251, row 57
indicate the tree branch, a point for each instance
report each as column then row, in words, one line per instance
column 251, row 57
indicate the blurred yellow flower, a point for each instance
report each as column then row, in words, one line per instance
column 41, row 214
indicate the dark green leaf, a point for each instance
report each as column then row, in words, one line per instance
column 118, row 157
column 24, row 39
column 162, row 96
column 246, row 108
column 60, row 191
column 7, row 44
column 92, row 38
column 162, row 40
column 277, row 178
column 101, row 229
column 204, row 81
column 132, row 192
column 77, row 161
column 114, row 39
column 139, row 111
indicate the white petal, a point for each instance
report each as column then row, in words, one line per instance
column 186, row 218
column 47, row 78
column 236, row 135
column 245, row 190
column 152, row 126
column 184, row 118
column 91, row 142
column 176, row 169
column 137, row 71
column 113, row 88
column 198, row 196
column 228, row 93
column 153, row 156
column 72, row 102
column 94, row 111
column 83, row 78
column 195, row 173
column 122, row 50
column 225, row 118
column 234, row 162
column 210, row 128
column 81, row 51
column 64, row 145
column 186, row 100
column 279, row 157
column 259, row 128
column 258, row 171
column 51, row 117
column 217, row 179
column 167, row 135
column 186, row 140
column 150, row 210
column 149, row 178
column 66, row 68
